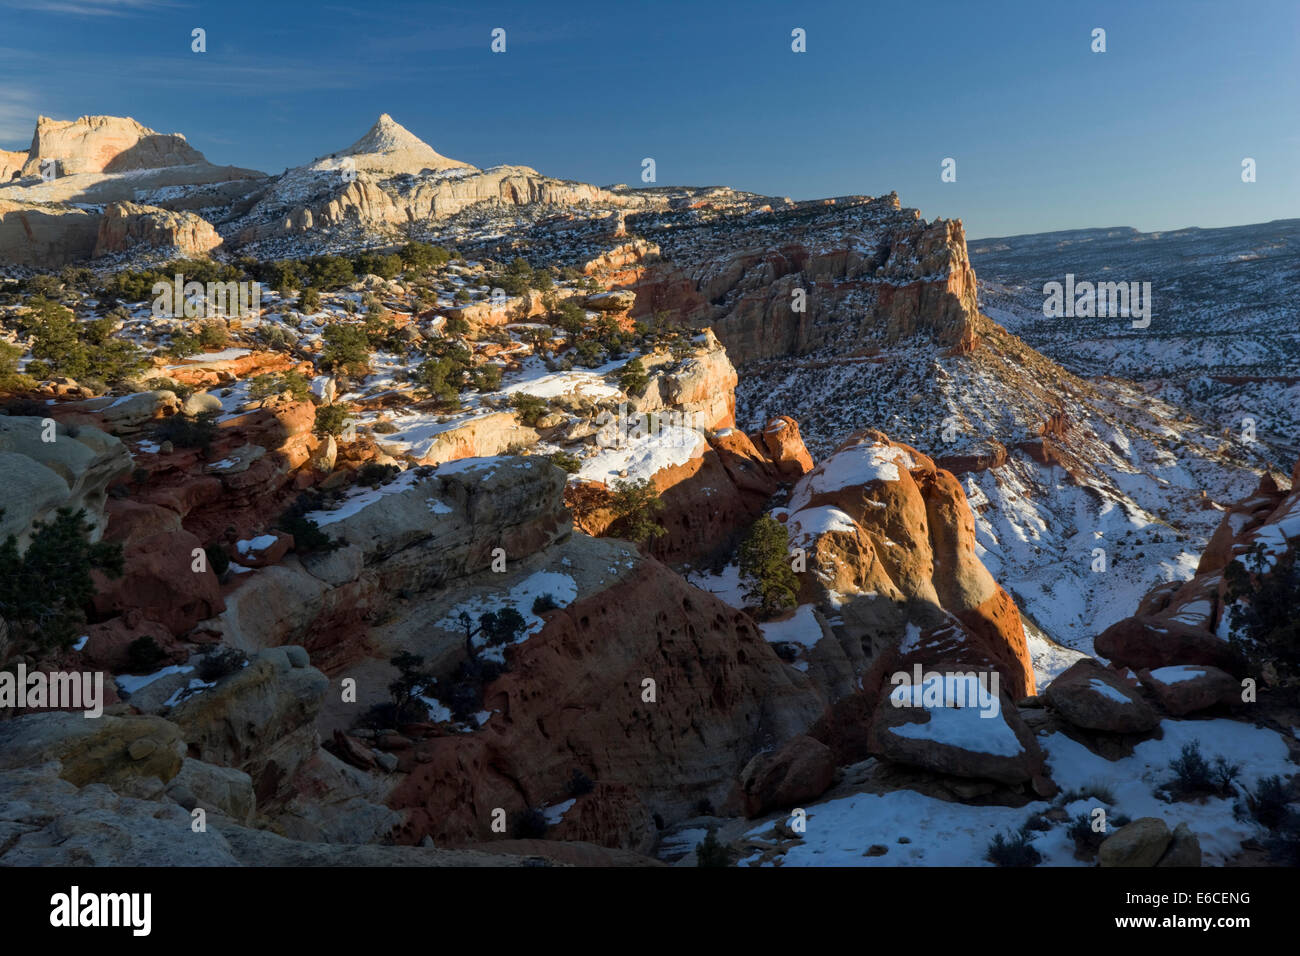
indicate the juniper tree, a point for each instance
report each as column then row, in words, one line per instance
column 633, row 378
column 44, row 590
column 765, row 569
column 636, row 506
column 1265, row 626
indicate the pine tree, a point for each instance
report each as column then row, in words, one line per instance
column 770, row 582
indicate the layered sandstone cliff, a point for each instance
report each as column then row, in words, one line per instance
column 844, row 273
column 126, row 225
column 105, row 144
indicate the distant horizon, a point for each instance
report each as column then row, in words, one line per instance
column 1047, row 134
column 969, row 237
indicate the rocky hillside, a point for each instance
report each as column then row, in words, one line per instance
column 635, row 516
column 1222, row 339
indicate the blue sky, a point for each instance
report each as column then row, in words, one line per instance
column 1046, row 134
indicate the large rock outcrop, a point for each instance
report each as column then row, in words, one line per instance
column 46, row 234
column 421, row 531
column 391, row 178
column 105, row 144
column 48, row 214
column 844, row 273
column 259, row 720
column 891, row 538
column 699, row 389
column 670, row 703
column 128, row 225
column 73, row 470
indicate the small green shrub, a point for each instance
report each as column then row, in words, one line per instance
column 633, row 378
column 1196, row 776
column 569, row 462
column 1014, row 850
column 372, row 474
column 710, row 852
column 531, row 409
column 143, row 655
column 218, row 560
column 636, row 506
column 531, row 825
column 765, row 568
column 331, row 420
column 184, row 431
column 219, row 662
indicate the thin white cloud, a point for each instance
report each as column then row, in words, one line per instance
column 90, row 8
column 18, row 110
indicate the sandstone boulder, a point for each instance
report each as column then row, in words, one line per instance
column 1155, row 642
column 991, row 743
column 799, row 772
column 1140, row 843
column 785, row 447
column 619, row 301
column 216, row 789
column 1184, row 689
column 1094, row 698
column 258, row 720
column 1184, row 849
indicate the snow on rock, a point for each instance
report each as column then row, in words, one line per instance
column 130, row 683
column 948, row 833
column 803, row 628
column 977, row 727
column 1177, row 673
column 640, row 457
column 260, row 543
column 555, row 813
column 855, row 465
column 561, row 587
column 806, row 525
column 725, row 585
column 1110, row 693
column 575, row 384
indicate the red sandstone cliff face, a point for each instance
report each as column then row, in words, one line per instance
column 575, row 699
column 891, row 537
column 707, row 501
column 784, row 445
